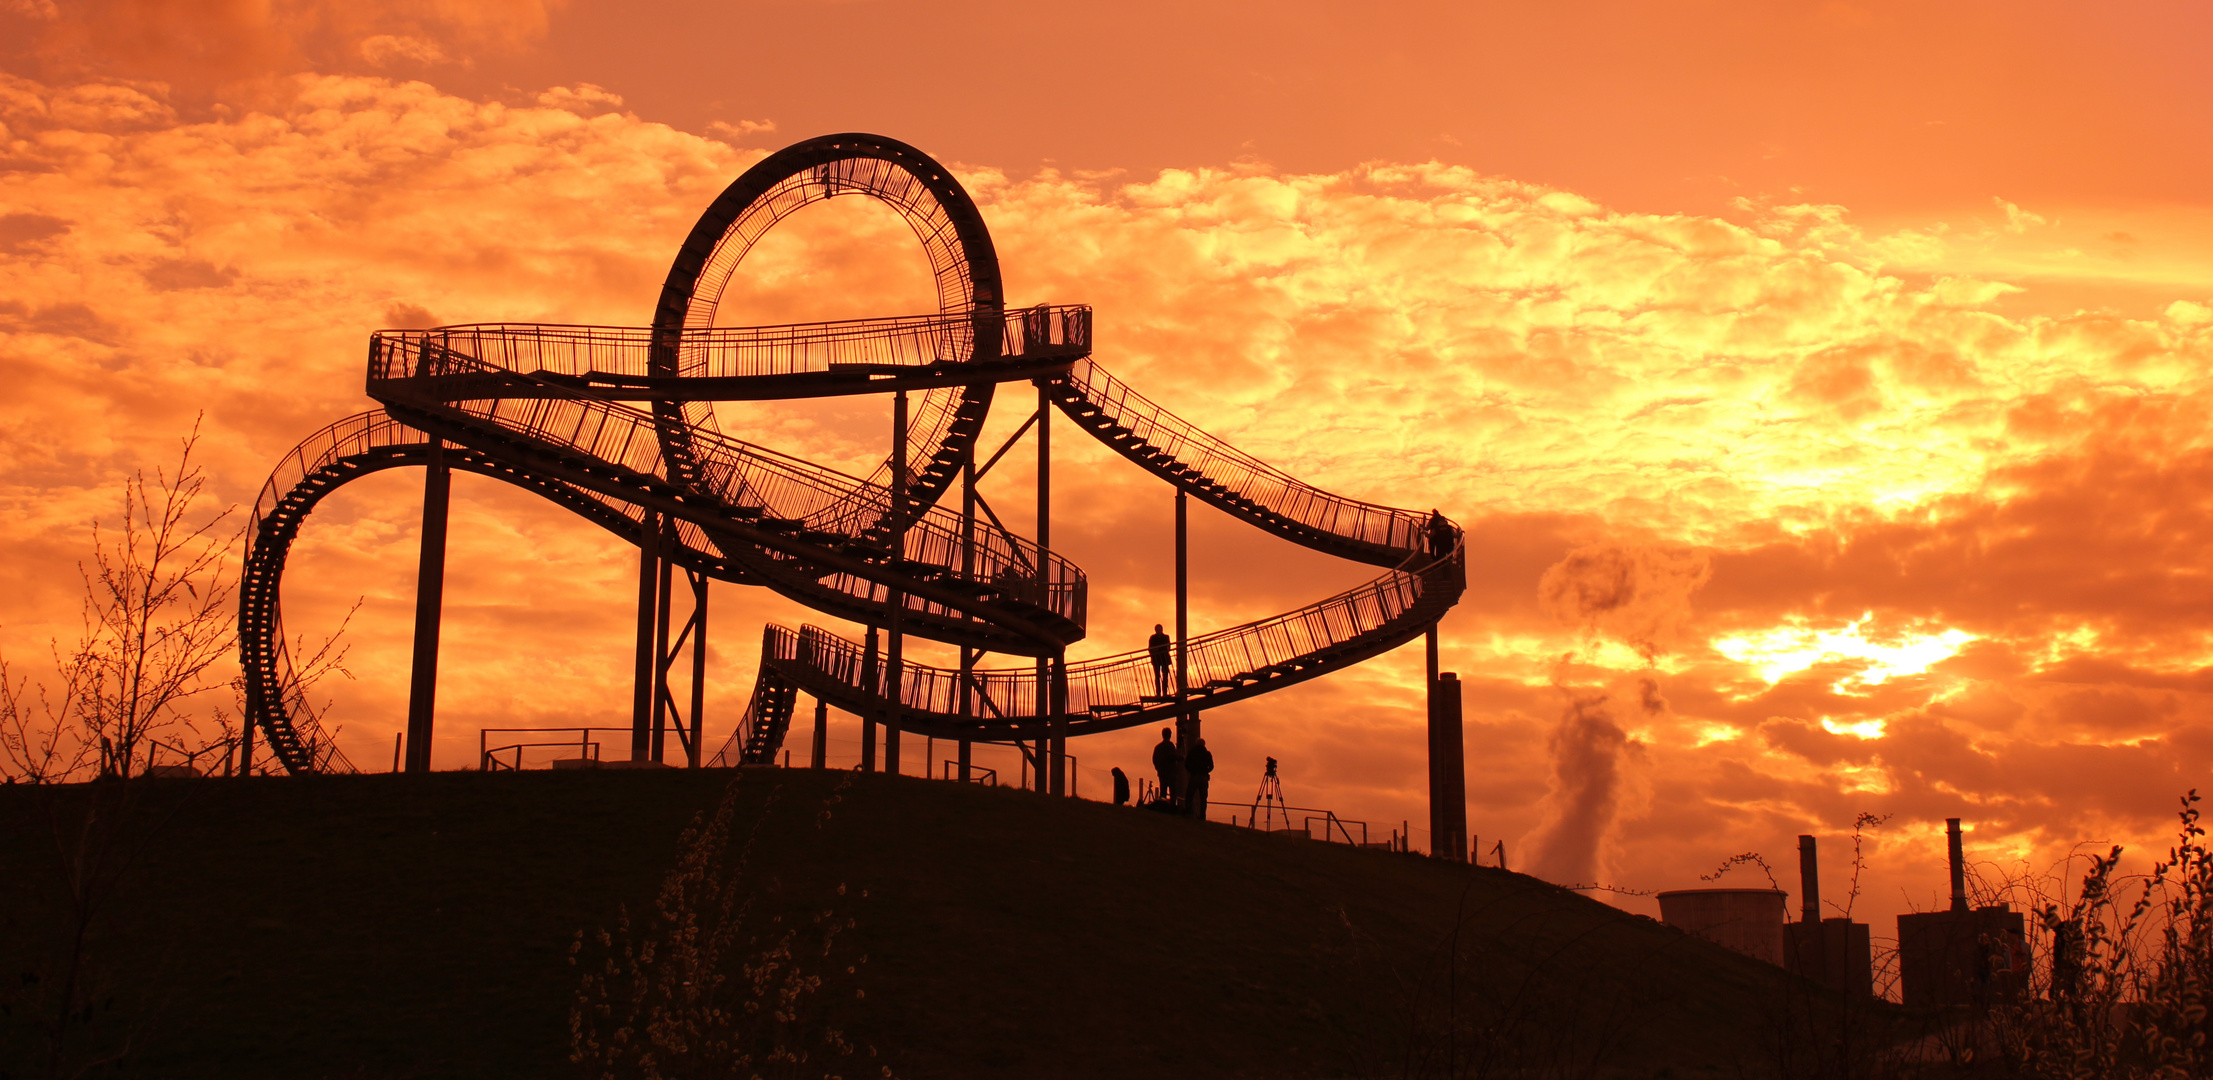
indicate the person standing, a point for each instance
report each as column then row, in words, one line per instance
column 1121, row 787
column 1158, row 645
column 1168, row 762
column 1198, row 768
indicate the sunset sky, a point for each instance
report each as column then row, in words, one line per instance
column 1824, row 386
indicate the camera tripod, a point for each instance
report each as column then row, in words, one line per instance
column 1271, row 797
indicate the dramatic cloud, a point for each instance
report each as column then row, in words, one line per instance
column 1888, row 530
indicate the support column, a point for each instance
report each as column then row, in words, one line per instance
column 1049, row 777
column 967, row 704
column 430, row 590
column 662, row 699
column 1187, row 723
column 895, row 662
column 968, row 573
column 870, row 683
column 1453, row 771
column 1059, row 723
column 699, row 665
column 643, row 703
column 820, row 753
column 1448, row 803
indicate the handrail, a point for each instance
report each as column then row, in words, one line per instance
column 611, row 353
column 1243, row 474
column 1125, row 680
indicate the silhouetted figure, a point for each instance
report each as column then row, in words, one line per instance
column 1168, row 762
column 1198, row 768
column 1158, row 645
column 1440, row 534
column 1121, row 787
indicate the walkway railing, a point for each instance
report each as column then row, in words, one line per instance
column 1241, row 473
column 630, row 353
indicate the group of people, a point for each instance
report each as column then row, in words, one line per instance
column 1185, row 774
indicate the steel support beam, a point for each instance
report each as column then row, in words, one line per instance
column 819, row 755
column 430, row 591
column 643, row 700
column 1448, row 802
column 870, row 684
column 1187, row 723
column 661, row 658
column 1052, row 744
column 895, row 658
column 699, row 666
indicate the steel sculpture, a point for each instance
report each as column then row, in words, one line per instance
column 617, row 425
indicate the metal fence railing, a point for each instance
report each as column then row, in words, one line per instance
column 1279, row 492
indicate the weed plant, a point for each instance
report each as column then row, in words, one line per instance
column 701, row 989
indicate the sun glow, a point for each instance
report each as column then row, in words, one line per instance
column 1863, row 729
column 1795, row 647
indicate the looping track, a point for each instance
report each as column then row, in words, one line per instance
column 616, row 424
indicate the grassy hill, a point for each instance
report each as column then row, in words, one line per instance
column 421, row 926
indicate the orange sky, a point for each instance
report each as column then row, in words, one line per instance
column 1823, row 385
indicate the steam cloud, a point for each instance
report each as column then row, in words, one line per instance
column 1638, row 594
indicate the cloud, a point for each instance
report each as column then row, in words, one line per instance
column 1639, row 594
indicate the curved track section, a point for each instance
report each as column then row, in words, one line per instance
column 1428, row 574
column 616, row 424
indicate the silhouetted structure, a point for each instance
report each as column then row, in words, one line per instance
column 1749, row 921
column 617, row 425
column 1837, row 953
column 1977, row 957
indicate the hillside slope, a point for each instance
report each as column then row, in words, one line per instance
column 421, row 926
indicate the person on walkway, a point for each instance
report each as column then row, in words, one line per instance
column 1198, row 768
column 1168, row 762
column 1158, row 645
column 1440, row 534
column 1121, row 787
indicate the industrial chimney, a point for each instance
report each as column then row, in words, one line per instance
column 1833, row 952
column 1959, row 865
column 1809, row 882
column 1977, row 957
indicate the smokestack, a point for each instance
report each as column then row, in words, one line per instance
column 1959, row 865
column 1809, row 881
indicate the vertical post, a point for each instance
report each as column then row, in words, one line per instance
column 820, row 752
column 869, row 685
column 1187, row 724
column 968, row 573
column 1059, row 724
column 699, row 664
column 430, row 589
column 895, row 662
column 1958, row 860
column 1437, row 837
column 662, row 699
column 1047, row 776
column 642, row 701
column 967, row 703
column 1809, row 882
column 1451, row 836
column 966, row 762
